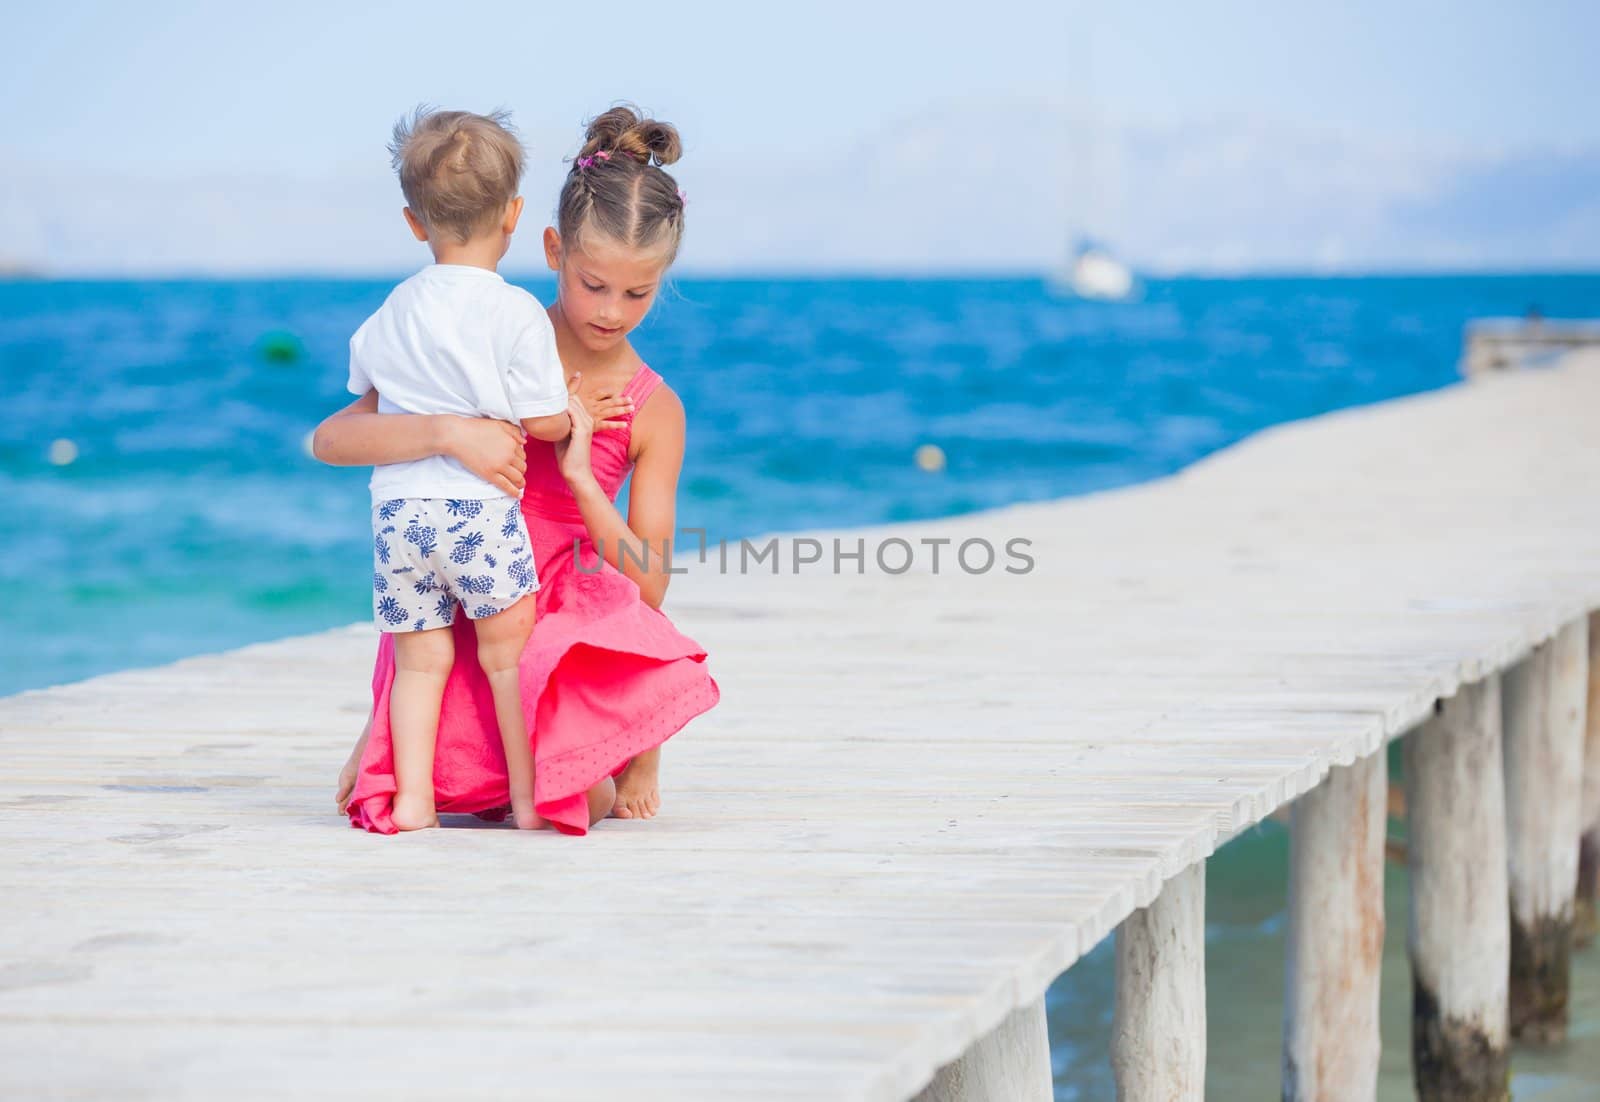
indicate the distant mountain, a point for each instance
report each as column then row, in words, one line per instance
column 976, row 187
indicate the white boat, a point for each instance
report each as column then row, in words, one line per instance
column 1092, row 270
column 1095, row 273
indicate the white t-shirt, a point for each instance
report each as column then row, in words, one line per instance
column 455, row 339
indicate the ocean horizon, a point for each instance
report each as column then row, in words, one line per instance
column 16, row 271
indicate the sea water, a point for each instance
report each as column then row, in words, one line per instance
column 157, row 496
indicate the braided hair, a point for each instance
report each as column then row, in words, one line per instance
column 618, row 186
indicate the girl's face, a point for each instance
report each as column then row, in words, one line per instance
column 605, row 289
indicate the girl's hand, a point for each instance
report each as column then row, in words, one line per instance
column 572, row 454
column 489, row 448
column 606, row 409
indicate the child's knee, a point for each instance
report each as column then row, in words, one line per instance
column 499, row 651
column 502, row 637
column 430, row 652
column 500, row 657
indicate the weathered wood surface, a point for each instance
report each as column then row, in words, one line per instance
column 1011, row 1062
column 1335, row 936
column 1545, row 699
column 1158, row 1030
column 922, row 798
column 1586, row 921
column 1459, row 934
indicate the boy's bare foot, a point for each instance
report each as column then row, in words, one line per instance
column 638, row 793
column 413, row 813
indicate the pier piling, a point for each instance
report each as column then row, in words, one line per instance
column 1459, row 930
column 1544, row 703
column 1335, row 936
column 1586, row 917
column 1011, row 1061
column 1158, row 1032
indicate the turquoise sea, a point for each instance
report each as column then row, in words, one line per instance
column 191, row 518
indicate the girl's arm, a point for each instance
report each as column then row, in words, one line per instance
column 358, row 435
column 652, row 497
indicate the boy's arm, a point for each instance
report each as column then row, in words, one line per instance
column 551, row 427
column 359, row 436
column 535, row 381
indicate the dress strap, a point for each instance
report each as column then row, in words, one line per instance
column 644, row 381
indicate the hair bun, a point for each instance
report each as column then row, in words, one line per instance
column 623, row 129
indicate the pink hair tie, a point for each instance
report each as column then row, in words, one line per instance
column 597, row 155
column 682, row 198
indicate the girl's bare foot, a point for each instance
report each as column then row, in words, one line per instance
column 352, row 765
column 638, row 793
column 525, row 816
column 347, row 785
column 602, row 798
column 414, row 813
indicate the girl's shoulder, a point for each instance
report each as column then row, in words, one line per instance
column 658, row 418
column 654, row 399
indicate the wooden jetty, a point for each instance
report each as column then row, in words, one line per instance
column 1509, row 344
column 924, row 795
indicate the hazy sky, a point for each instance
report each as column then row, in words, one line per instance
column 1227, row 135
column 155, row 88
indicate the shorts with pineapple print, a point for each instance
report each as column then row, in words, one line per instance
column 431, row 555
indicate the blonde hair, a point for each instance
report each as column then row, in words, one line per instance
column 618, row 187
column 458, row 170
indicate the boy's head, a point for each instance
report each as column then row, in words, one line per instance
column 459, row 171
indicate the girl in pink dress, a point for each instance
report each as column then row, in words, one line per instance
column 606, row 678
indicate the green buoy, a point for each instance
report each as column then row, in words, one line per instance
column 280, row 347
